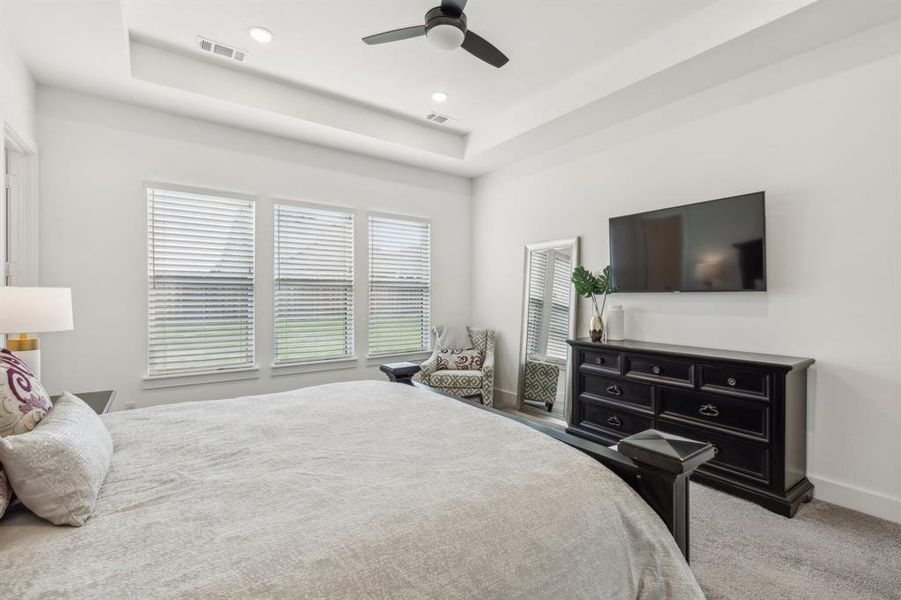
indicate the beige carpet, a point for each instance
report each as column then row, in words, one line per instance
column 740, row 550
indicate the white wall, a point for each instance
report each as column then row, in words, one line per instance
column 821, row 134
column 96, row 156
column 17, row 95
column 18, row 123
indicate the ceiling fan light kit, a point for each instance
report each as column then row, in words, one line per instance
column 445, row 37
column 445, row 28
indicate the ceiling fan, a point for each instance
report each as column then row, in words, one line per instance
column 445, row 28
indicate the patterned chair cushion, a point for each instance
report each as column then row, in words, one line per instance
column 23, row 400
column 453, row 359
column 456, row 379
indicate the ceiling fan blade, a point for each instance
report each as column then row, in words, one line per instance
column 452, row 6
column 396, row 35
column 482, row 49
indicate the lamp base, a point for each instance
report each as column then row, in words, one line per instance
column 28, row 351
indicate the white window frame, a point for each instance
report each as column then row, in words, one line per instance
column 249, row 370
column 314, row 364
column 424, row 350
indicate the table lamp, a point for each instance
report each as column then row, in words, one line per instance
column 710, row 273
column 28, row 310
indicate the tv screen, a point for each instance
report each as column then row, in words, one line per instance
column 715, row 246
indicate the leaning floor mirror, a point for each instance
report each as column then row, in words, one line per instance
column 549, row 319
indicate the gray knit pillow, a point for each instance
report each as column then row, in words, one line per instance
column 57, row 468
column 456, row 337
column 6, row 493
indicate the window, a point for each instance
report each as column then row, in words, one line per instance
column 313, row 284
column 399, row 286
column 200, row 282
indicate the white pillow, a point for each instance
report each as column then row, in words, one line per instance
column 57, row 468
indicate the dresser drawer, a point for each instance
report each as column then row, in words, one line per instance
column 601, row 361
column 743, row 416
column 614, row 421
column 656, row 369
column 741, row 382
column 631, row 392
column 733, row 458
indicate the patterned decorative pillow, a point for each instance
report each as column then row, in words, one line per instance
column 456, row 359
column 23, row 400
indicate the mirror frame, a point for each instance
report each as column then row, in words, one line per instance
column 573, row 306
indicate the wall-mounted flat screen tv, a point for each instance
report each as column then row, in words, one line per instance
column 714, row 246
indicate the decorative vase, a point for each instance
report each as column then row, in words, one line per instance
column 596, row 329
column 616, row 323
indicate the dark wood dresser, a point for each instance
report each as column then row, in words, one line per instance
column 751, row 407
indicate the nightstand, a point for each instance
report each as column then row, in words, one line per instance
column 400, row 372
column 99, row 401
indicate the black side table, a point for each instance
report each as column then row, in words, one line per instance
column 99, row 401
column 401, row 372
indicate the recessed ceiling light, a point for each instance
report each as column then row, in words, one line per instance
column 260, row 34
column 440, row 96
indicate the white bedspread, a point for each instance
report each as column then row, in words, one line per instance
column 352, row 490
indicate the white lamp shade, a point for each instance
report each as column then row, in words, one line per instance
column 709, row 271
column 35, row 309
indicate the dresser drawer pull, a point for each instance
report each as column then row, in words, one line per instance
column 614, row 390
column 614, row 421
column 656, row 370
column 598, row 361
column 709, row 410
column 732, row 381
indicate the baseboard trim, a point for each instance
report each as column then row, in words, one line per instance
column 865, row 501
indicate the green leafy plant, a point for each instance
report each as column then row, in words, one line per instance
column 591, row 285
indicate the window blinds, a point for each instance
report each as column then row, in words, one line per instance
column 313, row 284
column 537, row 278
column 558, row 328
column 399, row 285
column 200, row 282
column 547, row 327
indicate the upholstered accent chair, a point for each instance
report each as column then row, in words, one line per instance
column 464, row 384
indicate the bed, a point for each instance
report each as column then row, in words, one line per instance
column 351, row 490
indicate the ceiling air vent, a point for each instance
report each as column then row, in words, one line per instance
column 438, row 117
column 221, row 49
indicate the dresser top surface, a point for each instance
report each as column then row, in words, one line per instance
column 791, row 362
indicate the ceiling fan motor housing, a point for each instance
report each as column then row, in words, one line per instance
column 444, row 29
